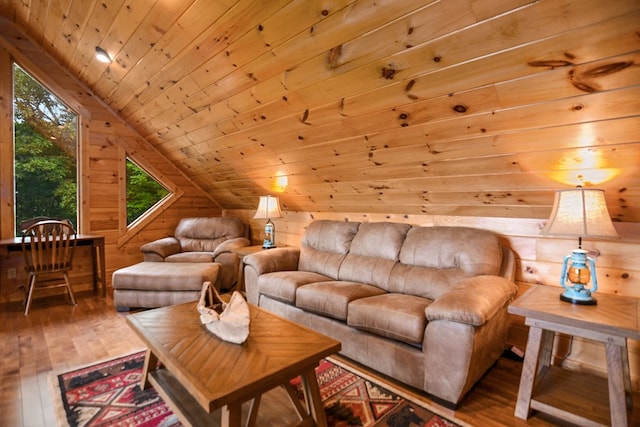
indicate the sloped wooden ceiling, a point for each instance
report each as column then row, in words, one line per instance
column 451, row 107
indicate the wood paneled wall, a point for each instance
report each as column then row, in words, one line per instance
column 539, row 261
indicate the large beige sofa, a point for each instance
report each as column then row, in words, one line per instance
column 424, row 305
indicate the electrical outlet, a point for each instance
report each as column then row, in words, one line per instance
column 11, row 273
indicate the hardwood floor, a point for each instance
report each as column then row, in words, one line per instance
column 56, row 337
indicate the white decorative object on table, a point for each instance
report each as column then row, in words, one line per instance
column 228, row 321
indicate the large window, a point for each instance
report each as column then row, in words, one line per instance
column 46, row 148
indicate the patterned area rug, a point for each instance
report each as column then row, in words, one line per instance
column 108, row 394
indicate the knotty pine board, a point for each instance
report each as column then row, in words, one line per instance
column 451, row 79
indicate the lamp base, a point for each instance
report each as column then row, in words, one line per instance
column 269, row 236
column 580, row 297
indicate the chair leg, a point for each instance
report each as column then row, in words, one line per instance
column 69, row 290
column 29, row 293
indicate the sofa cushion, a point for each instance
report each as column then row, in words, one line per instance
column 332, row 298
column 324, row 245
column 282, row 285
column 433, row 259
column 190, row 257
column 205, row 234
column 373, row 253
column 396, row 316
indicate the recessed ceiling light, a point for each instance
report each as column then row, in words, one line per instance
column 102, row 55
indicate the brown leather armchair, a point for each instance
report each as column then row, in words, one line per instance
column 203, row 240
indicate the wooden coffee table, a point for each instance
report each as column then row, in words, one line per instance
column 199, row 373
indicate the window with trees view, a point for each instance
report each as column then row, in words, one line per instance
column 46, row 161
column 143, row 192
column 46, row 148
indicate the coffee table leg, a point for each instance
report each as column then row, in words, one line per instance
column 231, row 415
column 150, row 364
column 302, row 410
column 253, row 411
column 313, row 398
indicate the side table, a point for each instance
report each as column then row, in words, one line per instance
column 576, row 397
column 243, row 252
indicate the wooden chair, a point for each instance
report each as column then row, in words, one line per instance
column 48, row 248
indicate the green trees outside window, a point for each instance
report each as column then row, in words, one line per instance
column 143, row 192
column 45, row 153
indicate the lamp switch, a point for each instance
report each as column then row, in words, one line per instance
column 11, row 273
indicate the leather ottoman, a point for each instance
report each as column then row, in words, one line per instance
column 158, row 284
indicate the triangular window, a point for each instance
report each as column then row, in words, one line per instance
column 143, row 192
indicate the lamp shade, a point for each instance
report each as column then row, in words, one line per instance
column 580, row 212
column 268, row 207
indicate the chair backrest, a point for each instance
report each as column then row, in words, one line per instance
column 48, row 246
column 24, row 225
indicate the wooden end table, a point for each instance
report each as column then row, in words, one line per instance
column 200, row 373
column 242, row 252
column 576, row 397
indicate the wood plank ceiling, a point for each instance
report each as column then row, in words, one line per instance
column 450, row 107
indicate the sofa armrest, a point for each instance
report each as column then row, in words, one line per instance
column 473, row 300
column 277, row 259
column 230, row 245
column 161, row 248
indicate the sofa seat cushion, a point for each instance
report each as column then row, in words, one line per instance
column 331, row 299
column 396, row 316
column 190, row 257
column 282, row 285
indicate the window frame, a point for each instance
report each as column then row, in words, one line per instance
column 79, row 111
column 128, row 231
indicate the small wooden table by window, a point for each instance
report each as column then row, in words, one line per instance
column 576, row 397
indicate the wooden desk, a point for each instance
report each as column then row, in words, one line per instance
column 7, row 246
column 199, row 373
column 576, row 397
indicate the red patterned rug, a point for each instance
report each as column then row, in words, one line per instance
column 108, row 394
column 350, row 400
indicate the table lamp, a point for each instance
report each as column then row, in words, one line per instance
column 580, row 213
column 268, row 208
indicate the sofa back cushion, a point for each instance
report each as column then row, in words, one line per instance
column 205, row 234
column 374, row 253
column 324, row 245
column 432, row 259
